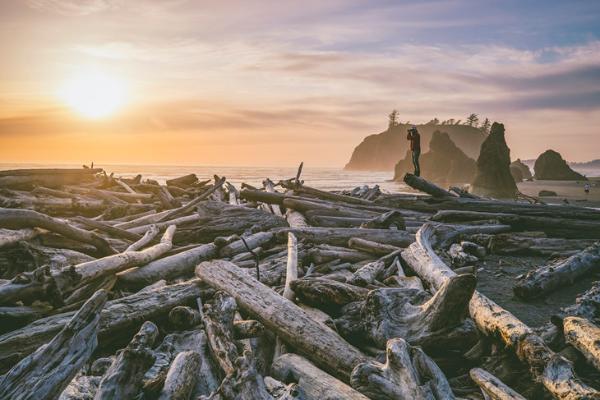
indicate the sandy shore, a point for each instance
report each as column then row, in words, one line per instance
column 572, row 191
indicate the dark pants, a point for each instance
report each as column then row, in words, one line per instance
column 415, row 160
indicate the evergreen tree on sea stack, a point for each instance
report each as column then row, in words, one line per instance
column 493, row 176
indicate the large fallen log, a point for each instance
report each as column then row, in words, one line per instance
column 182, row 376
column 424, row 186
column 121, row 315
column 552, row 370
column 553, row 226
column 315, row 383
column 408, row 373
column 52, row 178
column 544, row 279
column 45, row 373
column 318, row 342
column 11, row 237
column 20, row 219
column 529, row 244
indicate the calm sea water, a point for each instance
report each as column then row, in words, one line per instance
column 322, row 178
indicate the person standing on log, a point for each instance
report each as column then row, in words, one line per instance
column 415, row 146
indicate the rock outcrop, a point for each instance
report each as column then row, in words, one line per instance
column 493, row 176
column 444, row 164
column 381, row 152
column 551, row 166
column 519, row 171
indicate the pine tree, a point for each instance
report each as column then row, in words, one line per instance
column 485, row 126
column 393, row 119
column 472, row 120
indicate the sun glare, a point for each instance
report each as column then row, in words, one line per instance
column 94, row 94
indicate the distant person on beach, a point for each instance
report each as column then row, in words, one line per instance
column 415, row 146
column 586, row 188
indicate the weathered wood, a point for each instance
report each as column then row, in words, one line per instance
column 123, row 380
column 341, row 236
column 327, row 294
column 45, row 373
column 527, row 244
column 11, row 237
column 367, row 274
column 218, row 322
column 52, row 178
column 183, row 181
column 295, row 219
column 315, row 383
column 181, row 264
column 190, row 205
column 425, row 186
column 181, row 377
column 585, row 337
column 492, row 387
column 144, row 240
column 166, row 199
column 407, row 374
column 492, row 320
column 121, row 315
column 19, row 219
column 184, row 317
column 253, row 241
column 371, row 247
column 547, row 278
column 320, row 344
column 111, row 230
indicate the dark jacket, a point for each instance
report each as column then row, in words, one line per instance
column 415, row 140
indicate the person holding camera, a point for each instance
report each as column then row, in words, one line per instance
column 415, row 146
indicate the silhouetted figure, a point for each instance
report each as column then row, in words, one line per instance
column 415, row 146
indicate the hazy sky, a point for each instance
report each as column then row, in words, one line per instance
column 276, row 82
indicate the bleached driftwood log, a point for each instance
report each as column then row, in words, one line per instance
column 585, row 337
column 529, row 244
column 371, row 247
column 315, row 383
column 52, row 178
column 407, row 374
column 319, row 343
column 111, row 230
column 218, row 322
column 492, row 387
column 551, row 369
column 295, row 219
column 190, row 206
column 144, row 240
column 547, row 278
column 45, row 373
column 123, row 380
column 20, row 219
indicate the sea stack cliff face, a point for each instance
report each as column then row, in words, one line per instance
column 445, row 164
column 382, row 151
column 520, row 171
column 551, row 166
column 493, row 178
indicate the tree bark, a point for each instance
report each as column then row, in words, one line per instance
column 585, row 337
column 492, row 387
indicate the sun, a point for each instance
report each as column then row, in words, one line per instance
column 94, row 94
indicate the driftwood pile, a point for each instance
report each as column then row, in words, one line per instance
column 123, row 288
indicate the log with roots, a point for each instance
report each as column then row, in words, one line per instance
column 492, row 387
column 123, row 380
column 121, row 315
column 408, row 374
column 45, row 373
column 389, row 313
column 552, row 370
column 318, row 342
column 547, row 278
column 585, row 337
column 315, row 383
column 20, row 219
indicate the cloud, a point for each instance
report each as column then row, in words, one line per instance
column 73, row 7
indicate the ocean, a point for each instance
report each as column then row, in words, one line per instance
column 322, row 178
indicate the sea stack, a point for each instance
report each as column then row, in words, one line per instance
column 444, row 164
column 520, row 171
column 551, row 166
column 493, row 177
